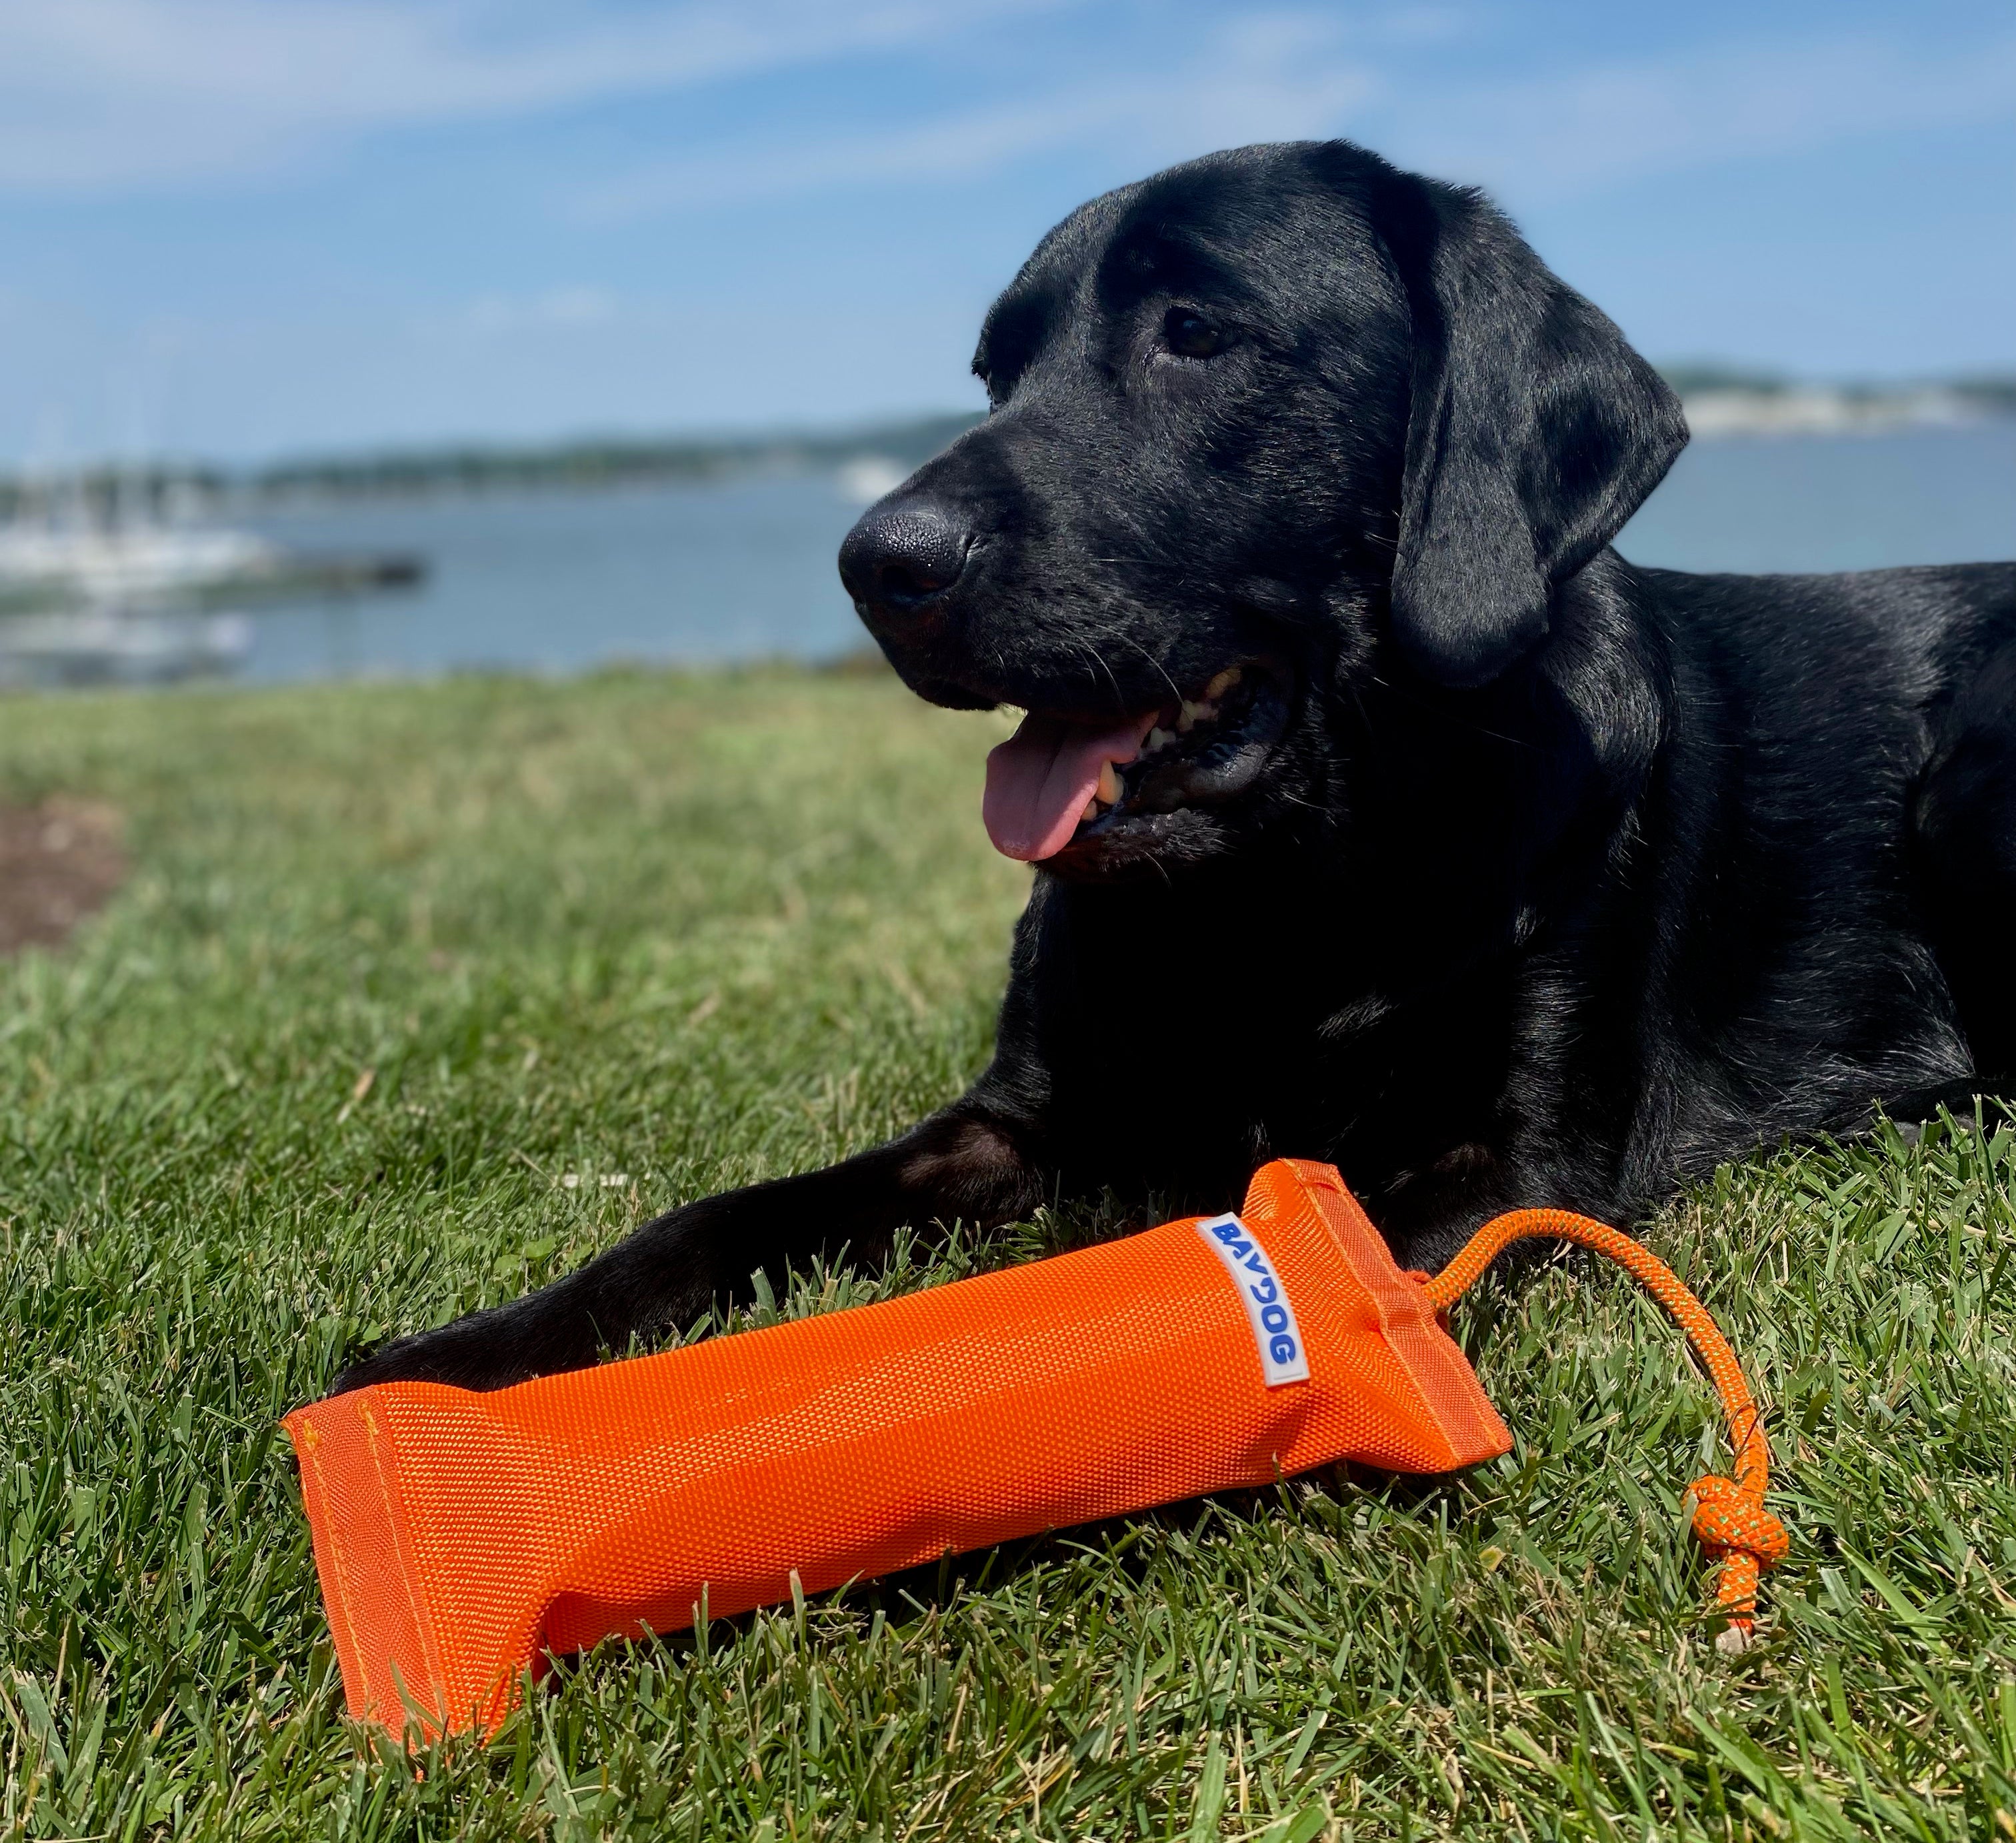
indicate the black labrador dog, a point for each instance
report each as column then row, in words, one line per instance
column 1383, row 813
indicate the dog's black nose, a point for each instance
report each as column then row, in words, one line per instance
column 903, row 553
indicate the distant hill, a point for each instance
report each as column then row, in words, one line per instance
column 1730, row 399
column 1721, row 399
column 163, row 487
column 607, row 460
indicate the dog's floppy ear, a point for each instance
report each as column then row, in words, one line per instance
column 1534, row 433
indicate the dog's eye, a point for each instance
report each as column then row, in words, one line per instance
column 1189, row 334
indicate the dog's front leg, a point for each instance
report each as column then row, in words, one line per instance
column 963, row 1163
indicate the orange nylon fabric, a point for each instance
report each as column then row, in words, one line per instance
column 1730, row 1519
column 462, row 1537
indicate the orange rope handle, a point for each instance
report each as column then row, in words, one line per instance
column 1730, row 1519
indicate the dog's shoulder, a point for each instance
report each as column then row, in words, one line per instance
column 1902, row 639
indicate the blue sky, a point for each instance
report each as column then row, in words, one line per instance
column 245, row 227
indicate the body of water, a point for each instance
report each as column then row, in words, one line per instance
column 554, row 581
column 1770, row 502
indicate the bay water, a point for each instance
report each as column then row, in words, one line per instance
column 557, row 582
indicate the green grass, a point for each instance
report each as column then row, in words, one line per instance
column 604, row 945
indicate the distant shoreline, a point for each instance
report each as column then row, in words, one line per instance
column 175, row 490
column 1719, row 401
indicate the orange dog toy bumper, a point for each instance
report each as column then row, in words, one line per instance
column 461, row 1537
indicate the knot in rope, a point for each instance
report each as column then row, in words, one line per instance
column 1733, row 1528
column 1730, row 1519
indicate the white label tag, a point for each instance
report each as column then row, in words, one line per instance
column 1275, row 1334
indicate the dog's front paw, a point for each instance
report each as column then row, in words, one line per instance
column 665, row 1276
column 538, row 1336
column 455, row 1355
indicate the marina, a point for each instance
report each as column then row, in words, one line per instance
column 109, row 592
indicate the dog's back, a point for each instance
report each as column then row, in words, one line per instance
column 1831, row 832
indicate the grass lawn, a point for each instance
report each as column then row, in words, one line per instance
column 416, row 996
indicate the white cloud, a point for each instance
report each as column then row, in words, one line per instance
column 1281, row 76
column 1271, row 77
column 101, row 95
column 1585, row 130
column 562, row 308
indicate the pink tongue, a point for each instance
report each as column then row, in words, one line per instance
column 1039, row 780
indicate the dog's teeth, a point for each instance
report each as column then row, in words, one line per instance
column 1091, row 812
column 1109, row 788
column 1158, row 739
column 1190, row 714
column 1222, row 683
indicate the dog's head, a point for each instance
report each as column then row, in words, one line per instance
column 1263, row 427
